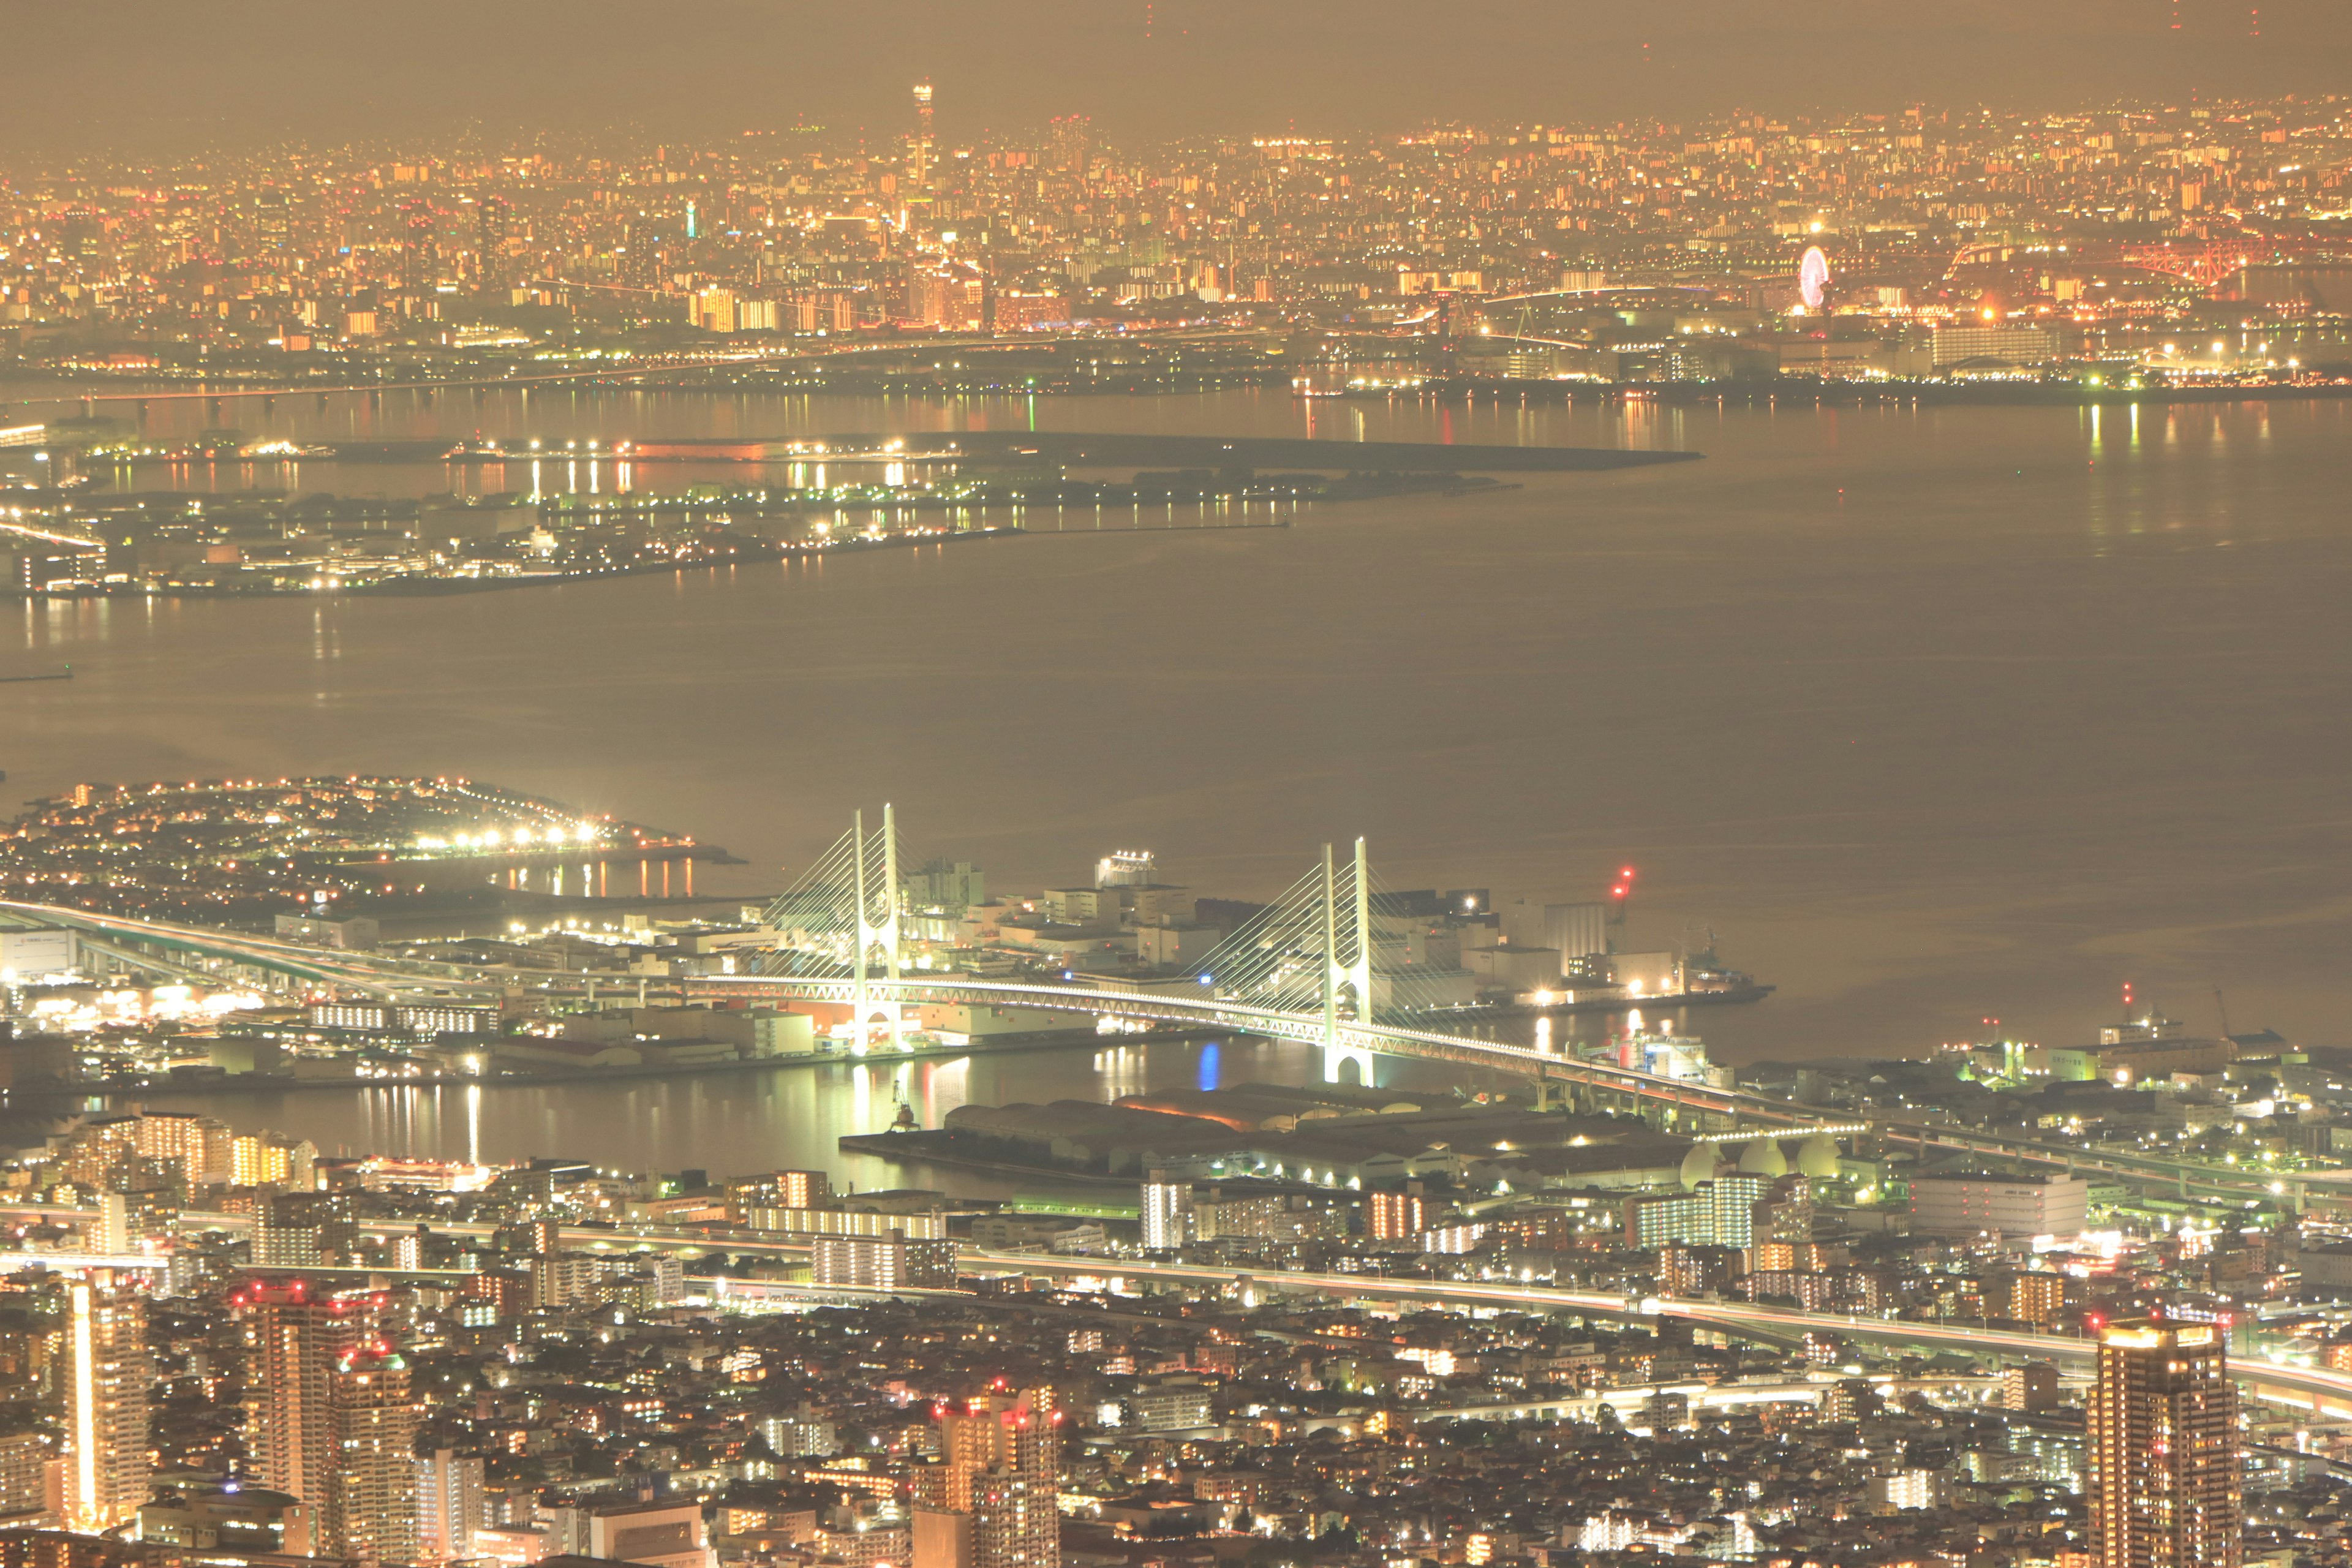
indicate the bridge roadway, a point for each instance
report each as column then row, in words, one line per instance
column 387, row 979
column 392, row 979
column 395, row 980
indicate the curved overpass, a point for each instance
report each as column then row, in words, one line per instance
column 1306, row 1028
column 376, row 976
column 393, row 979
column 403, row 979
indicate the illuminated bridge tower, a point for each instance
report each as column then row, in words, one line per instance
column 840, row 923
column 1313, row 953
column 877, row 925
column 1346, row 966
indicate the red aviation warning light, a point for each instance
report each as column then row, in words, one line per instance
column 1621, row 893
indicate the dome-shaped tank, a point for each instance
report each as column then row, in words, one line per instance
column 1817, row 1157
column 1763, row 1158
column 1699, row 1165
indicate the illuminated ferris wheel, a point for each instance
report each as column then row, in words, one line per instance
column 1813, row 278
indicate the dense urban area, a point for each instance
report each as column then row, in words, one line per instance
column 1607, row 1301
column 2132, row 251
column 1484, row 1260
column 2184, row 240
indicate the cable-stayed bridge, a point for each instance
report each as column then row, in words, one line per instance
column 1330, row 963
column 1334, row 960
column 1329, row 954
column 1325, row 965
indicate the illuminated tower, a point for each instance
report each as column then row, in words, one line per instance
column 1000, row 1464
column 108, row 1374
column 2163, row 1449
column 417, row 250
column 492, row 223
column 1073, row 143
column 294, row 1339
column 370, row 1510
column 922, row 133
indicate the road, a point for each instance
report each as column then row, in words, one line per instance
column 395, row 979
column 2324, row 1391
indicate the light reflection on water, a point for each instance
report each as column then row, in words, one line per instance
column 783, row 1118
column 1934, row 712
column 736, row 1121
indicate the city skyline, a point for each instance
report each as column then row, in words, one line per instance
column 1546, row 785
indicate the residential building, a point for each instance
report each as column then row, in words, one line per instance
column 107, row 1372
column 2164, row 1449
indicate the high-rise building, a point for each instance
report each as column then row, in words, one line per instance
column 1717, row 1213
column 305, row 1230
column 888, row 1262
column 273, row 217
column 712, row 310
column 491, row 230
column 199, row 1145
column 2037, row 1299
column 24, row 1480
column 107, row 1376
column 113, row 1236
column 294, row 1339
column 1000, row 1464
column 803, row 1189
column 416, row 251
column 1390, row 1216
column 1073, row 143
column 1167, row 1213
column 192, row 1149
column 370, row 1510
column 266, row 1159
column 1780, row 1225
column 2164, row 1449
column 451, row 1506
column 921, row 162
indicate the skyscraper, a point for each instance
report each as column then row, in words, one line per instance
column 294, row 1340
column 922, row 149
column 1391, row 1216
column 491, row 228
column 107, row 1377
column 370, row 1510
column 1000, row 1464
column 2164, row 1449
column 1167, row 1211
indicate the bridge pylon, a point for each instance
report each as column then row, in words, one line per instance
column 1347, row 967
column 877, row 925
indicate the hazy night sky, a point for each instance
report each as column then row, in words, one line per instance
column 166, row 76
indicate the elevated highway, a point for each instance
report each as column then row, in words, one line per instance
column 2315, row 1388
column 179, row 951
column 397, row 979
